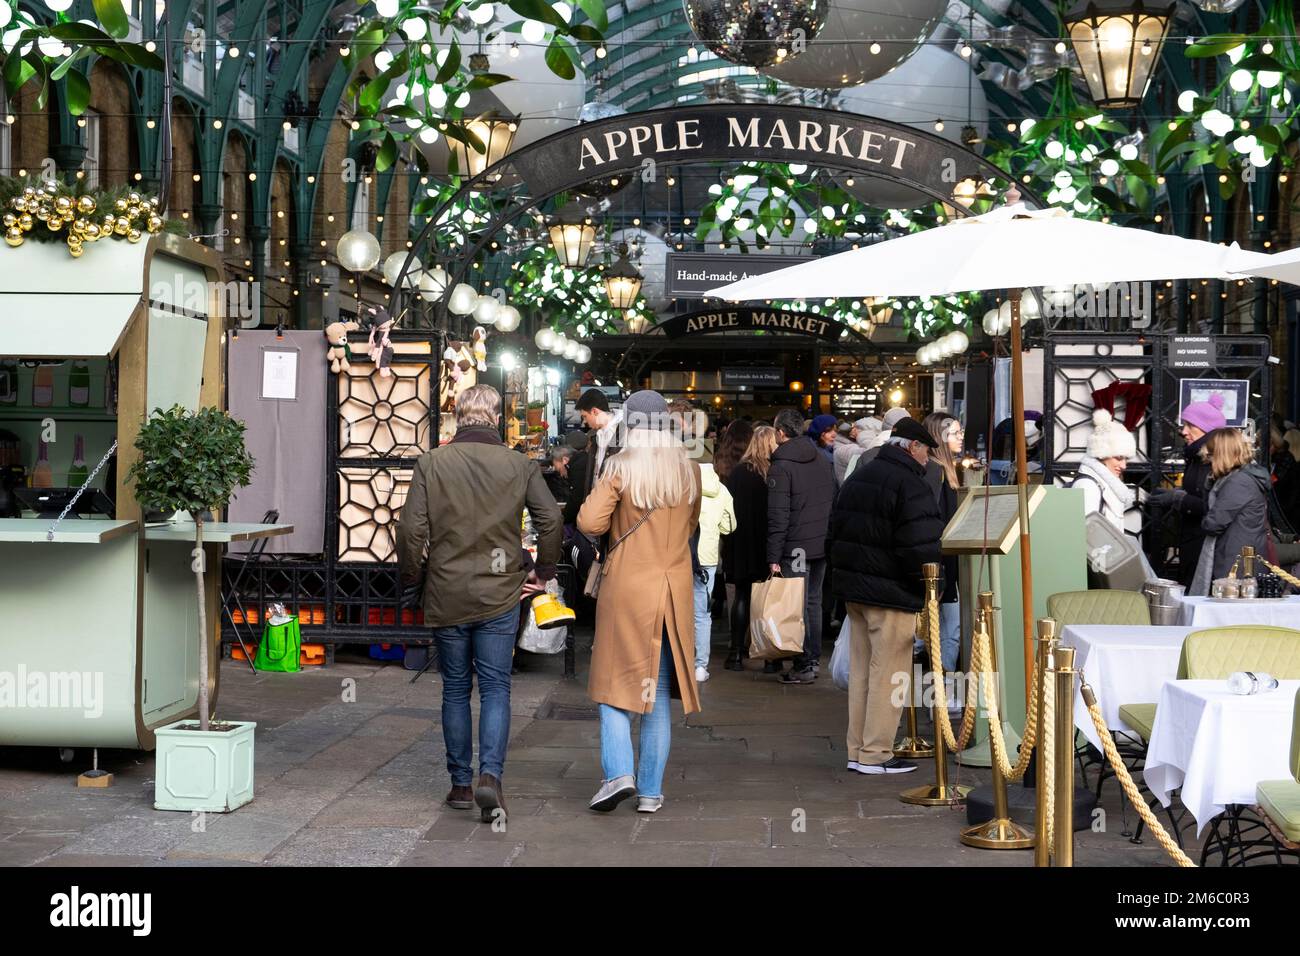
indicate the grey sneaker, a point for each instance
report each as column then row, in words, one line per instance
column 894, row 765
column 648, row 804
column 613, row 792
column 805, row 676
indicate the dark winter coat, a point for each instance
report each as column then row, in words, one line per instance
column 945, row 495
column 885, row 525
column 1191, row 509
column 800, row 492
column 743, row 550
column 1237, row 516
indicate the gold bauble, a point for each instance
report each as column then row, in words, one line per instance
column 10, row 220
column 133, row 199
column 154, row 224
column 85, row 205
column 13, row 237
column 122, row 227
column 29, row 192
column 133, row 212
column 19, row 203
column 54, row 223
column 69, row 214
column 42, row 213
column 91, row 232
column 133, row 235
column 51, row 187
column 25, row 222
column 153, row 201
column 75, row 251
column 62, row 203
column 120, row 205
column 110, row 221
column 79, row 227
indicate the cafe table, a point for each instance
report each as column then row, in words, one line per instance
column 1201, row 612
column 1215, row 746
column 1124, row 664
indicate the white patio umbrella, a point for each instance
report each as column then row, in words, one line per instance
column 1282, row 265
column 1011, row 248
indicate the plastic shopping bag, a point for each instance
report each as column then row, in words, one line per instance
column 776, row 618
column 534, row 639
column 840, row 657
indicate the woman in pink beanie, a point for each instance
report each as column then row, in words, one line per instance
column 1189, row 502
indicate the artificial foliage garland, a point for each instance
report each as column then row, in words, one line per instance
column 49, row 210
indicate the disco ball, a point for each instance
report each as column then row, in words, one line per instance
column 756, row 32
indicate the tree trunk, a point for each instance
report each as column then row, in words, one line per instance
column 197, row 564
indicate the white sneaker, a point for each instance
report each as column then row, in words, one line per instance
column 649, row 804
column 853, row 765
column 701, row 675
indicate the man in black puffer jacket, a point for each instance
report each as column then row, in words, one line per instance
column 800, row 492
column 885, row 525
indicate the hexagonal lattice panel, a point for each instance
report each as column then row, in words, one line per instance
column 384, row 417
column 369, row 504
column 1072, row 398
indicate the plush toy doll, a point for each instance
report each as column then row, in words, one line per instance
column 336, row 334
column 480, row 348
column 379, row 345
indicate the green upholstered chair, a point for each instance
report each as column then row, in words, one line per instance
column 1279, row 800
column 1099, row 607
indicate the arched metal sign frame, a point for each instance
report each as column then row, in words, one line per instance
column 647, row 143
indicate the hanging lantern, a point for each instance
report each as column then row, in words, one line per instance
column 393, row 265
column 463, row 299
column 485, row 310
column 508, row 318
column 584, row 354
column 572, row 234
column 571, row 349
column 358, row 250
column 622, row 281
column 495, row 132
column 755, row 32
column 433, row 283
column 560, row 344
column 1118, row 44
column 636, row 323
column 544, row 338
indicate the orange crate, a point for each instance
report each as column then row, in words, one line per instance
column 237, row 652
column 312, row 655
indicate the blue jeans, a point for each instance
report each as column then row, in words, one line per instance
column 949, row 635
column 656, row 735
column 703, row 618
column 488, row 646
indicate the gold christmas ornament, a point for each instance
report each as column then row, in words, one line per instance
column 120, row 205
column 10, row 220
column 133, row 235
column 75, row 251
column 29, row 192
column 62, row 204
column 42, row 213
column 109, row 222
column 154, row 224
column 85, row 205
column 51, row 187
column 133, row 199
column 122, row 227
column 13, row 237
column 54, row 223
column 91, row 231
column 25, row 222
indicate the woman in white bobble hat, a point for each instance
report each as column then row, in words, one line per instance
column 1101, row 471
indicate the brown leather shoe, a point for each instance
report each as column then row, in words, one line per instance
column 489, row 798
column 461, row 798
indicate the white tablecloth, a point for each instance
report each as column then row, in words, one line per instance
column 1217, row 745
column 1204, row 612
column 1124, row 665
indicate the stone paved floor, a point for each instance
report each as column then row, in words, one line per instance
column 362, row 783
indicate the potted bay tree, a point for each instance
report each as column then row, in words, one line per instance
column 194, row 461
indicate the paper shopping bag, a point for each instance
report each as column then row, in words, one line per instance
column 776, row 618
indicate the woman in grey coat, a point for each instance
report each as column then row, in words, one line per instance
column 1237, row 514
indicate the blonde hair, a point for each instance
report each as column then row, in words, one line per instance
column 478, row 405
column 1226, row 449
column 938, row 424
column 759, row 453
column 653, row 469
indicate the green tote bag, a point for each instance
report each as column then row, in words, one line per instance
column 280, row 647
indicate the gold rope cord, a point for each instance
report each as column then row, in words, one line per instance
column 1288, row 578
column 955, row 743
column 983, row 641
column 1047, row 752
column 1126, row 781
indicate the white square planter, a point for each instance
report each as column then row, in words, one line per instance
column 210, row 771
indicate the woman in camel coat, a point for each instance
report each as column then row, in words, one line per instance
column 646, row 602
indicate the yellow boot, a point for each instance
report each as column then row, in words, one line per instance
column 549, row 611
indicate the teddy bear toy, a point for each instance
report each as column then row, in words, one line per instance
column 480, row 348
column 336, row 334
column 379, row 345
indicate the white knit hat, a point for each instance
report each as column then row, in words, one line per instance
column 1110, row 439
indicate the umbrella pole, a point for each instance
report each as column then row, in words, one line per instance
column 1022, row 487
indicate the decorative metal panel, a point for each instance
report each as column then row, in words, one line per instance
column 384, row 416
column 370, row 501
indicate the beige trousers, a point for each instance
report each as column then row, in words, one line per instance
column 880, row 663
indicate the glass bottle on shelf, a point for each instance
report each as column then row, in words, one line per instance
column 42, row 476
column 9, row 382
column 79, row 384
column 43, row 386
column 78, row 473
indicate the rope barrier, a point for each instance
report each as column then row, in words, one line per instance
column 1288, row 578
column 1126, row 782
column 1047, row 754
column 983, row 640
column 954, row 742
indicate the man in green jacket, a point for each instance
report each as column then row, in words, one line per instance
column 464, row 510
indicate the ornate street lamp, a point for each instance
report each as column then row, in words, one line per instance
column 636, row 323
column 358, row 251
column 622, row 281
column 572, row 234
column 1118, row 43
column 495, row 132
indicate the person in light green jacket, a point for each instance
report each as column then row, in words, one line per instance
column 717, row 517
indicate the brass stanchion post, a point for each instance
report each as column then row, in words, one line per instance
column 999, row 833
column 913, row 744
column 941, row 793
column 1063, row 822
column 1046, row 645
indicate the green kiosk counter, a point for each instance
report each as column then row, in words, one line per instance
column 98, row 619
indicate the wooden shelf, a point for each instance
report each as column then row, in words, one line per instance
column 33, row 414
